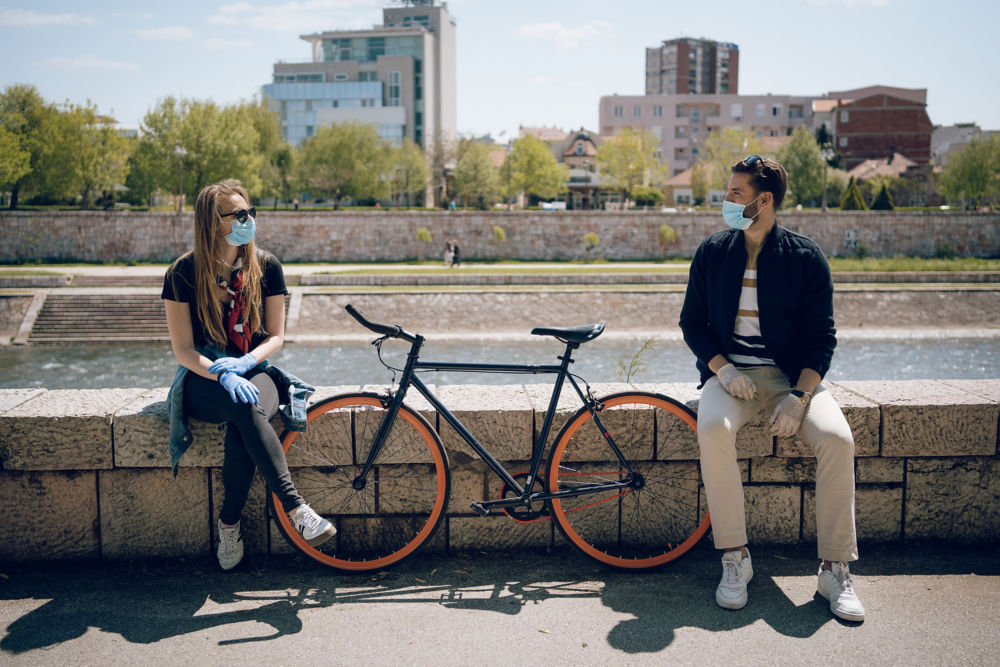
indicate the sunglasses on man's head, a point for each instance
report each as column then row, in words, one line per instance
column 242, row 214
column 751, row 160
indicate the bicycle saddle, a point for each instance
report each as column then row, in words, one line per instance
column 580, row 334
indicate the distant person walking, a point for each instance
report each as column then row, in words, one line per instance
column 758, row 315
column 225, row 306
column 456, row 257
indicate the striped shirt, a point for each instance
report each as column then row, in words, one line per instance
column 748, row 344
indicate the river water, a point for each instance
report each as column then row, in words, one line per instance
column 93, row 366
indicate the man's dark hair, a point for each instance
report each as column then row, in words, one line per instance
column 766, row 175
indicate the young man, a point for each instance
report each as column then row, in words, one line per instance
column 758, row 315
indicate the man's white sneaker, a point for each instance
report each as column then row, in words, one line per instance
column 315, row 529
column 737, row 571
column 230, row 551
column 836, row 586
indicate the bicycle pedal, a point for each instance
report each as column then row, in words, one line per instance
column 479, row 509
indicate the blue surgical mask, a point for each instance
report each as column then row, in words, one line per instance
column 732, row 213
column 242, row 232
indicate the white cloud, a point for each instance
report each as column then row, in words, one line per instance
column 88, row 62
column 168, row 34
column 565, row 38
column 298, row 16
column 26, row 17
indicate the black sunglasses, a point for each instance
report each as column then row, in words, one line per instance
column 751, row 160
column 242, row 214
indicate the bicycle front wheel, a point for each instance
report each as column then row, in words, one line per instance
column 656, row 518
column 382, row 519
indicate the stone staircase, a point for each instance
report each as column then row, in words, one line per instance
column 74, row 318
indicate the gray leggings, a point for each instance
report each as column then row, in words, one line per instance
column 250, row 442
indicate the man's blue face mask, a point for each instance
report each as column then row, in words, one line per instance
column 732, row 213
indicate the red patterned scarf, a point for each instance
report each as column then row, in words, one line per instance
column 235, row 326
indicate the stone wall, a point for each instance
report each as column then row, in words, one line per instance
column 380, row 236
column 85, row 474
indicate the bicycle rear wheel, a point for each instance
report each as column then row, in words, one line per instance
column 394, row 511
column 657, row 518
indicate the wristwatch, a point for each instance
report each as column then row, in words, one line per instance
column 803, row 396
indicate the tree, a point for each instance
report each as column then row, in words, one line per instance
column 442, row 156
column 141, row 180
column 95, row 154
column 25, row 115
column 410, row 170
column 476, row 178
column 277, row 167
column 15, row 161
column 718, row 153
column 852, row 199
column 630, row 158
column 645, row 195
column 971, row 174
column 883, row 201
column 800, row 156
column 534, row 169
column 346, row 160
column 220, row 143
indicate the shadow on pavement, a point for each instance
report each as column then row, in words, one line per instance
column 145, row 602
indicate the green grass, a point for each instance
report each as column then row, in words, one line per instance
column 842, row 264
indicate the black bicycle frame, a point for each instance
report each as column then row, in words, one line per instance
column 523, row 495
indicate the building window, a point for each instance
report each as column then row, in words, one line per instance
column 309, row 105
column 309, row 130
column 776, row 110
column 682, row 111
column 340, row 76
column 843, row 142
column 637, row 111
column 737, row 111
column 368, row 102
column 618, row 111
column 695, row 116
column 579, row 148
column 657, row 110
column 393, row 89
column 843, row 116
column 760, row 111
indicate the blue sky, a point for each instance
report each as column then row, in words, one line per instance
column 519, row 62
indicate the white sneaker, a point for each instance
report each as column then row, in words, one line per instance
column 836, row 586
column 315, row 529
column 737, row 571
column 230, row 551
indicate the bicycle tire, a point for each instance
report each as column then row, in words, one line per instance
column 401, row 505
column 636, row 528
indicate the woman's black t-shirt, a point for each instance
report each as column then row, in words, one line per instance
column 178, row 285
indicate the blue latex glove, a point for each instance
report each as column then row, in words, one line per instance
column 238, row 365
column 240, row 389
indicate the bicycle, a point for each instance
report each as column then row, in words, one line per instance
column 620, row 480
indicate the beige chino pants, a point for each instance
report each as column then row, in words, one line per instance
column 824, row 428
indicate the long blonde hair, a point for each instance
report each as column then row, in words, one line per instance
column 209, row 245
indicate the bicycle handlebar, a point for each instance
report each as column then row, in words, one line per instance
column 391, row 330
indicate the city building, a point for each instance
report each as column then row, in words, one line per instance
column 578, row 150
column 683, row 121
column 399, row 76
column 877, row 122
column 549, row 135
column 692, row 66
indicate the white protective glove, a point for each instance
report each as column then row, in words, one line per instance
column 736, row 382
column 787, row 416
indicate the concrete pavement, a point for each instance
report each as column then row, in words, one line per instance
column 929, row 605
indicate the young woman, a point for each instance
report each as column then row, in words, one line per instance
column 225, row 305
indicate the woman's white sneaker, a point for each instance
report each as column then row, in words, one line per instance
column 311, row 526
column 737, row 571
column 230, row 551
column 836, row 586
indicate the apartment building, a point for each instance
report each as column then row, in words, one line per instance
column 878, row 122
column 692, row 66
column 683, row 121
column 399, row 77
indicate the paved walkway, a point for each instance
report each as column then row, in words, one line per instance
column 925, row 606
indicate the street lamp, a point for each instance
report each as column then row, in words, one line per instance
column 180, row 152
column 827, row 154
column 586, row 185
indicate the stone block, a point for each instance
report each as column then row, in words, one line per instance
column 792, row 470
column 862, row 415
column 878, row 514
column 64, row 429
column 149, row 513
column 931, row 418
column 467, row 487
column 500, row 417
column 497, row 533
column 253, row 523
column 539, row 396
column 773, row 513
column 954, row 499
column 877, row 470
column 49, row 516
column 11, row 398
